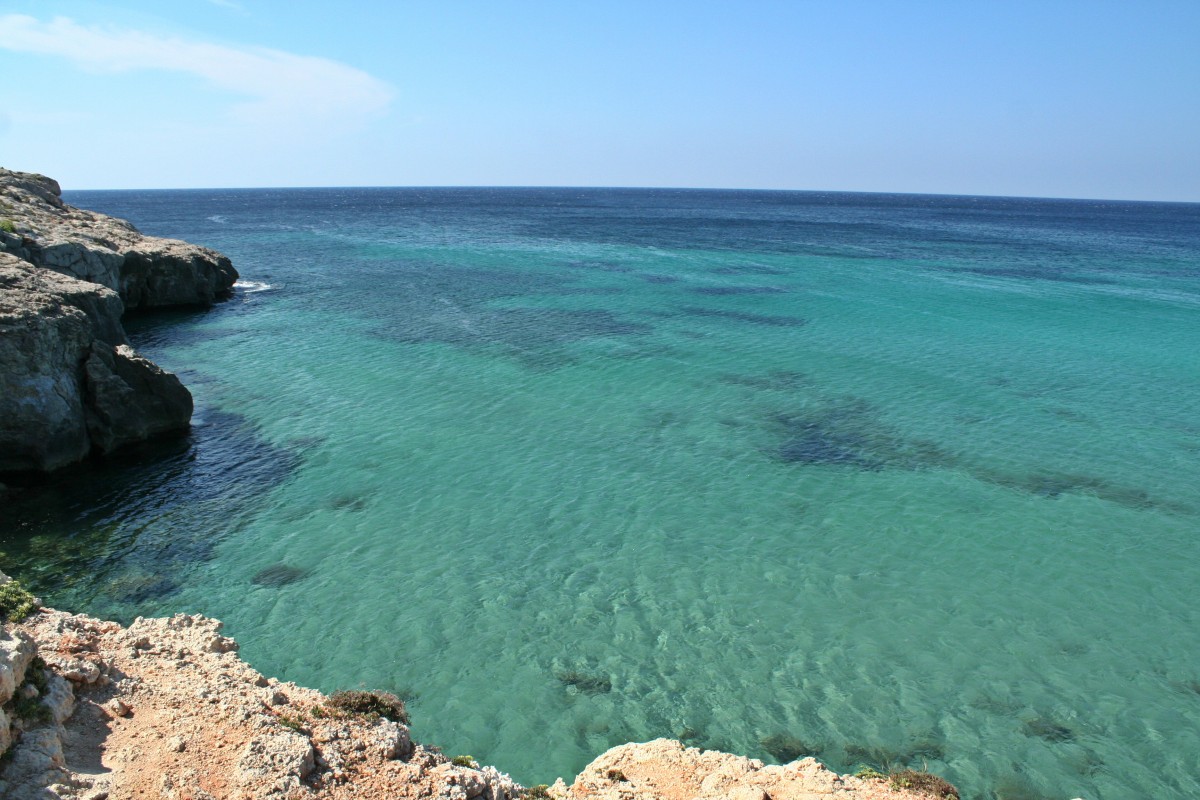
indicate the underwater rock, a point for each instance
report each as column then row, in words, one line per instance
column 137, row 588
column 726, row 291
column 279, row 575
column 588, row 684
column 848, row 432
column 773, row 320
column 1052, row 485
column 348, row 502
column 813, row 444
column 1049, row 730
column 787, row 748
column 915, row 754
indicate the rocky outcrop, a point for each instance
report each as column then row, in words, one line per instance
column 166, row 708
column 70, row 385
column 667, row 770
column 146, row 271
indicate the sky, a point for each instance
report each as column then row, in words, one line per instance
column 1051, row 98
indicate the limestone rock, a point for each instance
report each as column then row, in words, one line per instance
column 130, row 399
column 285, row 756
column 37, row 762
column 667, row 770
column 17, row 650
column 70, row 385
column 43, row 343
column 59, row 698
column 166, row 272
column 147, row 271
column 69, row 382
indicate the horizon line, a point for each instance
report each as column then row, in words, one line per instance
column 633, row 188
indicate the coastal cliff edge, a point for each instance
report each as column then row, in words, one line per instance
column 70, row 384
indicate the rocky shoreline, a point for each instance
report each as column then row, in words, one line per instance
column 70, row 384
column 165, row 708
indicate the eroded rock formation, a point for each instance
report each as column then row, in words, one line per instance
column 146, row 271
column 70, row 385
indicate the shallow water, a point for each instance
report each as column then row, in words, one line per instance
column 886, row 479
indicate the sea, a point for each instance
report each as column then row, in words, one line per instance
column 889, row 480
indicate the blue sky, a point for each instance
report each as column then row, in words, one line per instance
column 1049, row 98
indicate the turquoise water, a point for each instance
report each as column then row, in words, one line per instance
column 885, row 479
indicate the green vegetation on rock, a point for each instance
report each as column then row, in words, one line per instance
column 922, row 782
column 382, row 704
column 15, row 603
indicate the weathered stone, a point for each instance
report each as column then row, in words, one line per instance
column 75, row 669
column 130, row 399
column 43, row 343
column 166, row 272
column 77, row 260
column 59, row 698
column 37, row 762
column 392, row 739
column 70, row 385
column 149, row 272
column 284, row 755
column 65, row 390
column 17, row 650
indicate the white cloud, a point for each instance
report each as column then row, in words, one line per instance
column 279, row 87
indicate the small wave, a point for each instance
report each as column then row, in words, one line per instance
column 219, row 218
column 250, row 287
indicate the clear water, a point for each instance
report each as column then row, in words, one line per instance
column 891, row 479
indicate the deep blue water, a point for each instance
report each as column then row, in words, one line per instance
column 887, row 479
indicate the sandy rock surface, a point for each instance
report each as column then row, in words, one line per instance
column 666, row 770
column 166, row 709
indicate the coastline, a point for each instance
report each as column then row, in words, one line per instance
column 166, row 707
column 105, row 702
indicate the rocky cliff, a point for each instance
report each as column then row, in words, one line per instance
column 70, row 384
column 166, row 708
column 146, row 271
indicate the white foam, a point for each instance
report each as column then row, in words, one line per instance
column 250, row 287
column 218, row 218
